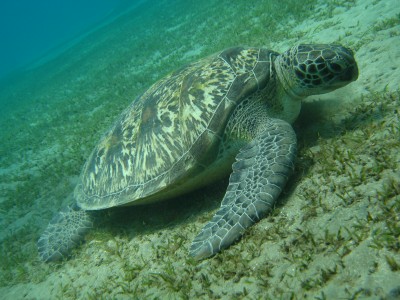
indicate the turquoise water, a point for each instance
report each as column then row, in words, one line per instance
column 30, row 30
column 334, row 232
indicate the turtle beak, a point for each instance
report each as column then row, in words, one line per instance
column 343, row 66
column 351, row 73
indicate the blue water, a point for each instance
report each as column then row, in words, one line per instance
column 29, row 29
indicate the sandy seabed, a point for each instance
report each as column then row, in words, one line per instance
column 335, row 233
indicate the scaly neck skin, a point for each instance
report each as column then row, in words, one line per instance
column 291, row 105
column 272, row 102
column 291, row 102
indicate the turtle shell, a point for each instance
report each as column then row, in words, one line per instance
column 172, row 132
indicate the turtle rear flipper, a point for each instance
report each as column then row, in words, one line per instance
column 260, row 172
column 64, row 232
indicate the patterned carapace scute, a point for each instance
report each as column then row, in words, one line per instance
column 172, row 131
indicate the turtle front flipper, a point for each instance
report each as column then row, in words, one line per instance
column 64, row 232
column 260, row 172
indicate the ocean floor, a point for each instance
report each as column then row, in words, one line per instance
column 335, row 233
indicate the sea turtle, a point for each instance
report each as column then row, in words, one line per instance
column 229, row 111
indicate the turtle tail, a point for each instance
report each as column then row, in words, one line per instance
column 65, row 231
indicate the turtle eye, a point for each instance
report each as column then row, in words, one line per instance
column 336, row 68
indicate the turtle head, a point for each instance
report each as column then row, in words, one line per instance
column 307, row 70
